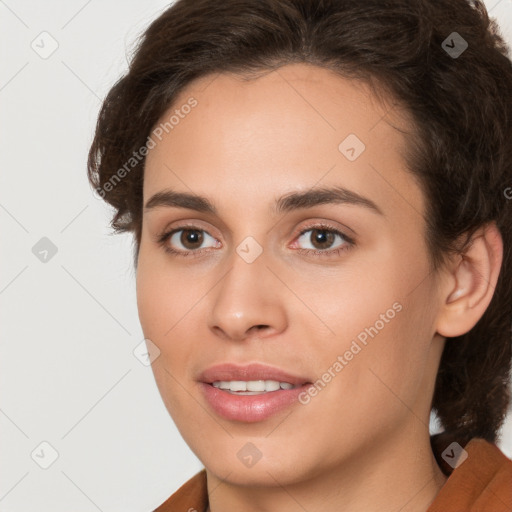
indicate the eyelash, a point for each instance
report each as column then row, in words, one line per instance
column 349, row 242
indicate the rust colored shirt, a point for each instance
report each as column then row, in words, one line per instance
column 481, row 483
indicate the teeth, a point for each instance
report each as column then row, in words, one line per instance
column 255, row 385
column 252, row 386
column 237, row 385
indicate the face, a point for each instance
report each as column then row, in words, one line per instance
column 331, row 293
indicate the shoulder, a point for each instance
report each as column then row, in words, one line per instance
column 481, row 479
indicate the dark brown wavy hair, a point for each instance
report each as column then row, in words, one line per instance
column 460, row 154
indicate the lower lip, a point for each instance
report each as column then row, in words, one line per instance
column 250, row 408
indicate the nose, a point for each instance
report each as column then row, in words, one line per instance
column 247, row 302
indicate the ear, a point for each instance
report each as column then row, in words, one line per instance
column 469, row 282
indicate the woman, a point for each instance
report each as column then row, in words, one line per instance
column 319, row 193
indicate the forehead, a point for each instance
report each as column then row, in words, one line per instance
column 293, row 126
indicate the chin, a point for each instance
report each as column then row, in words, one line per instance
column 260, row 475
column 239, row 461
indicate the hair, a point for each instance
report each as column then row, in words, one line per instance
column 460, row 152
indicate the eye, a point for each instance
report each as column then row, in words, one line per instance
column 321, row 239
column 191, row 239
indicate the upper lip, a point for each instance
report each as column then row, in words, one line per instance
column 253, row 371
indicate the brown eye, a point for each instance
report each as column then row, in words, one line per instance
column 185, row 240
column 191, row 238
column 322, row 238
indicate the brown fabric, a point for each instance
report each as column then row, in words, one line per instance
column 482, row 483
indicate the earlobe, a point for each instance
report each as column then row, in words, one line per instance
column 475, row 276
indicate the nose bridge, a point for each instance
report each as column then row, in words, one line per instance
column 246, row 296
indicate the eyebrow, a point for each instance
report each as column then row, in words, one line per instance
column 286, row 203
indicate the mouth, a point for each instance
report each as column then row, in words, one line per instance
column 250, row 393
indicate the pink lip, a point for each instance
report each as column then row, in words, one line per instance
column 249, row 408
column 253, row 371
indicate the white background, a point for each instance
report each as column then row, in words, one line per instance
column 69, row 326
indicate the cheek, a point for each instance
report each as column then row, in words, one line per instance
column 167, row 302
column 348, row 299
column 380, row 324
column 152, row 300
column 162, row 313
column 164, row 295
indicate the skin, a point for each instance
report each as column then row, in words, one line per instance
column 361, row 444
